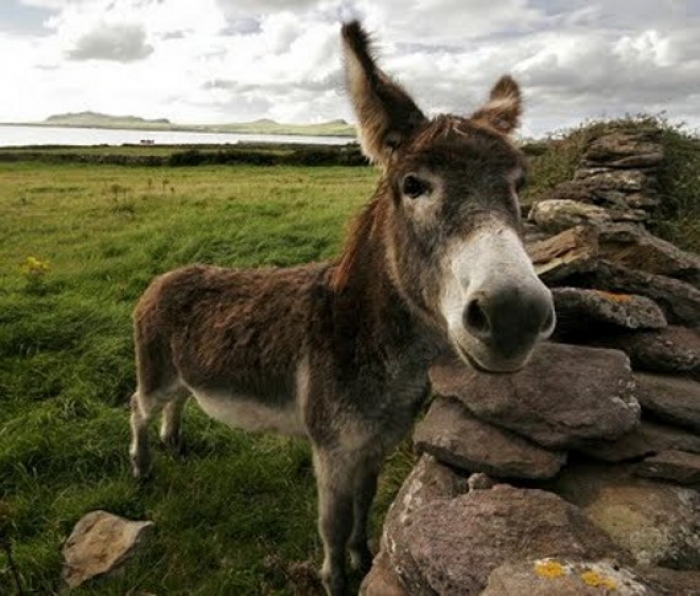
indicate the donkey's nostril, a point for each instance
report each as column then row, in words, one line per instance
column 476, row 320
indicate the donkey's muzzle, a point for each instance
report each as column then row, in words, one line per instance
column 495, row 306
column 507, row 321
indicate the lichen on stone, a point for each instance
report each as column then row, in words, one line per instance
column 598, row 580
column 549, row 569
column 613, row 297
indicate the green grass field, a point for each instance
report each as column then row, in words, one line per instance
column 78, row 244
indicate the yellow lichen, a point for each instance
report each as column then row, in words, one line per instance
column 619, row 298
column 597, row 580
column 549, row 569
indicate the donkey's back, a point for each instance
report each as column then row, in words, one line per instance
column 232, row 338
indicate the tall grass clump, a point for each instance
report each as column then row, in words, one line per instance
column 678, row 217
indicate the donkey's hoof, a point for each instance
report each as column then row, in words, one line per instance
column 143, row 477
column 140, row 474
column 174, row 444
column 335, row 584
column 140, row 466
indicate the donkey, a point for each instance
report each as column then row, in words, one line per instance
column 339, row 351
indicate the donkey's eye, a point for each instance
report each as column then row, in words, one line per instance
column 414, row 187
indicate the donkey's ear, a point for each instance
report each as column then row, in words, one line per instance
column 387, row 116
column 504, row 107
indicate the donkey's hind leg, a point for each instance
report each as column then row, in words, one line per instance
column 142, row 411
column 144, row 407
column 171, row 418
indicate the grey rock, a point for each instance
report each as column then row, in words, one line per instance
column 641, row 160
column 557, row 215
column 556, row 576
column 565, row 396
column 679, row 300
column 672, row 399
column 382, row 579
column 429, row 481
column 573, row 251
column 582, row 192
column 679, row 466
column 454, row 545
column 632, row 180
column 577, row 307
column 642, row 200
column 100, row 544
column 611, row 198
column 454, row 436
column 658, row 523
column 674, row 350
column 481, row 481
column 633, row 247
column 647, row 439
column 611, row 148
column 671, row 581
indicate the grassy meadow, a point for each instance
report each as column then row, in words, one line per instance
column 78, row 244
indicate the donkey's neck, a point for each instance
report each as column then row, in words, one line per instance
column 369, row 309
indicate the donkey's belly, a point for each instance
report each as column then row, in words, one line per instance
column 244, row 411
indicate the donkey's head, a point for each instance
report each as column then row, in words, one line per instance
column 450, row 214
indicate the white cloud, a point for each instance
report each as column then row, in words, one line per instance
column 120, row 42
column 228, row 60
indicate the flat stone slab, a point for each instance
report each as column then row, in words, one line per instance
column 578, row 307
column 454, row 545
column 557, row 576
column 648, row 438
column 671, row 399
column 658, row 523
column 557, row 215
column 625, row 149
column 679, row 300
column 633, row 247
column 565, row 396
column 100, row 544
column 453, row 435
column 572, row 251
column 679, row 466
column 674, row 349
column 631, row 180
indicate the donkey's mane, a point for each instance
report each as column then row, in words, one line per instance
column 362, row 230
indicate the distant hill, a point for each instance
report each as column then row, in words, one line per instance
column 262, row 126
column 97, row 119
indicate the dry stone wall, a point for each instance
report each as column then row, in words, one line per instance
column 581, row 473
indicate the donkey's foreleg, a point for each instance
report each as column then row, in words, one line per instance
column 334, row 478
column 365, row 487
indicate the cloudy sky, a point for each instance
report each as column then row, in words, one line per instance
column 208, row 61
